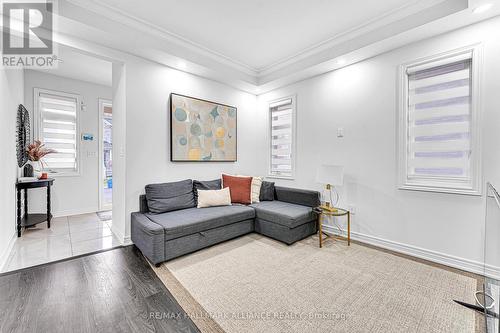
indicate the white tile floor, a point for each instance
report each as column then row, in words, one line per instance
column 68, row 236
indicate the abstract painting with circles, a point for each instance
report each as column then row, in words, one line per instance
column 202, row 131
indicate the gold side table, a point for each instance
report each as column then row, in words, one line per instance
column 328, row 212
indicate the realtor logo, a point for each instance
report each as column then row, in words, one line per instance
column 27, row 28
column 27, row 34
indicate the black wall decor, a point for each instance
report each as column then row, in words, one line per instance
column 23, row 135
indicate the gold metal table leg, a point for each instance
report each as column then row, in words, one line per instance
column 348, row 228
column 320, row 228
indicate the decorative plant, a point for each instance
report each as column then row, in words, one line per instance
column 37, row 151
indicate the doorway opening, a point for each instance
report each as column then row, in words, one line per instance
column 74, row 117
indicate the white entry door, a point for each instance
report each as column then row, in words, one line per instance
column 105, row 154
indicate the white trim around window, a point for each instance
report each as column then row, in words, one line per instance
column 73, row 101
column 282, row 146
column 434, row 156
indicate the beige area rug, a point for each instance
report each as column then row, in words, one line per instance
column 256, row 284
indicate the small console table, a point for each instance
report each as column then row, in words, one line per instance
column 30, row 220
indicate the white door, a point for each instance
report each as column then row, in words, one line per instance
column 105, row 154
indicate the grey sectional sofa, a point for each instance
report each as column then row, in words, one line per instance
column 163, row 236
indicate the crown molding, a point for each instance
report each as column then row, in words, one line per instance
column 344, row 46
column 372, row 24
column 139, row 24
column 132, row 21
column 105, row 31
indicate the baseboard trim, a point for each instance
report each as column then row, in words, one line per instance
column 118, row 234
column 5, row 256
column 70, row 212
column 437, row 257
column 127, row 241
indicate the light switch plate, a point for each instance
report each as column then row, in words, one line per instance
column 340, row 132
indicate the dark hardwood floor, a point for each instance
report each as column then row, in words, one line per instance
column 113, row 291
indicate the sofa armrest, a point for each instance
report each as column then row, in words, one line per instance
column 149, row 237
column 146, row 225
column 297, row 196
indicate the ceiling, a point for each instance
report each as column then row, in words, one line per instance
column 259, row 45
column 80, row 66
column 260, row 33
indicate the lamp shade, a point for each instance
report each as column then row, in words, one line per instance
column 330, row 174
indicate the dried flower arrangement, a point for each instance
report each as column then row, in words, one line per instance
column 37, row 151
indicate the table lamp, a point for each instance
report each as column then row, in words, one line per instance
column 330, row 175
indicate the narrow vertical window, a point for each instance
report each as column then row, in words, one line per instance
column 438, row 129
column 282, row 116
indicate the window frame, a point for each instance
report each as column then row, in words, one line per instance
column 38, row 126
column 434, row 184
column 294, row 138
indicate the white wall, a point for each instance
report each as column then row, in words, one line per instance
column 119, row 163
column 362, row 99
column 75, row 194
column 148, row 87
column 11, row 95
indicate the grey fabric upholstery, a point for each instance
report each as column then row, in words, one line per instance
column 190, row 243
column 164, row 236
column 285, row 234
column 215, row 184
column 297, row 196
column 149, row 237
column 266, row 191
column 188, row 221
column 169, row 197
column 143, row 204
column 284, row 213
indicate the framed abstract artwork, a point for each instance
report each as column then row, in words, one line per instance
column 202, row 131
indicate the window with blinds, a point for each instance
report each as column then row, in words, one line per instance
column 439, row 120
column 58, row 129
column 282, row 137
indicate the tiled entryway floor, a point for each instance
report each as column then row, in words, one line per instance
column 67, row 237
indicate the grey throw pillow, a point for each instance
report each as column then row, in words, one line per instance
column 168, row 197
column 267, row 191
column 215, row 184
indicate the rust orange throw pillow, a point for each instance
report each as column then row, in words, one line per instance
column 239, row 187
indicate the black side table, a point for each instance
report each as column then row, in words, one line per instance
column 30, row 220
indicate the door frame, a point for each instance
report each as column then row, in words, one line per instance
column 102, row 103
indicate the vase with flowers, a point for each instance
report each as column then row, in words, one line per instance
column 36, row 152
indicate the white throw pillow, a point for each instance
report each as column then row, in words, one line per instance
column 256, row 185
column 212, row 198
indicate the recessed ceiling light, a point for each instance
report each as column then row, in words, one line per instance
column 182, row 65
column 341, row 62
column 482, row 8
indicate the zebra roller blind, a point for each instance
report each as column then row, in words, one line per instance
column 282, row 138
column 439, row 122
column 58, row 130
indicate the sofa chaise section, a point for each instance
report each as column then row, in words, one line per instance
column 290, row 217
